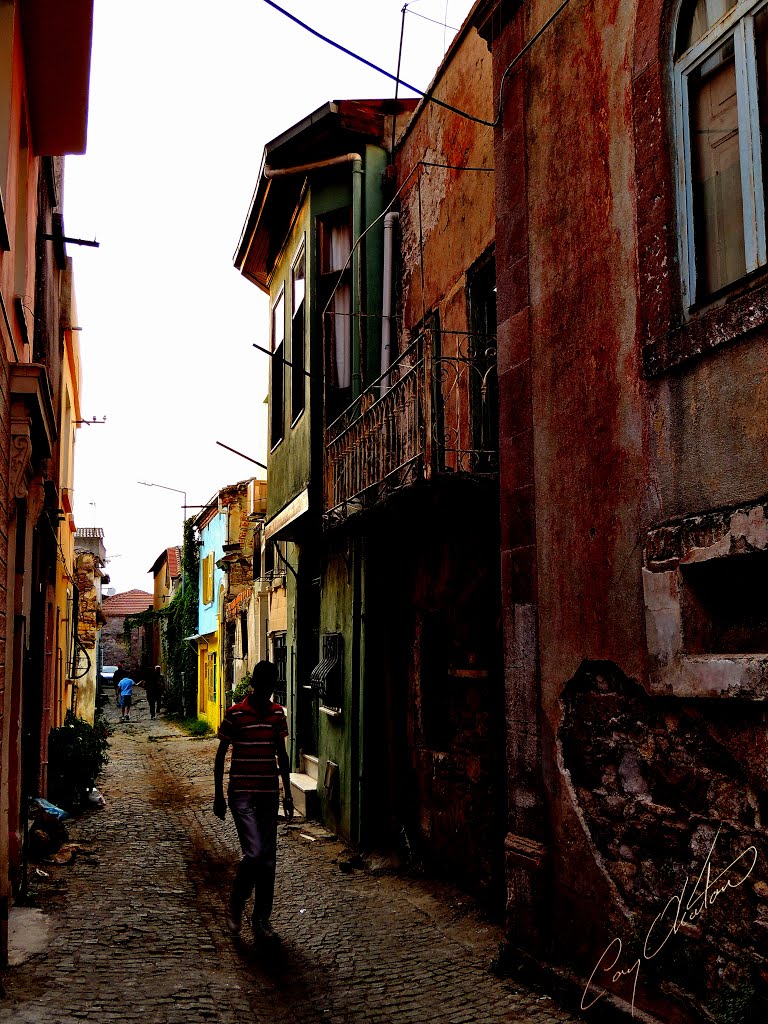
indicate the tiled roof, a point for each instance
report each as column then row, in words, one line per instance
column 129, row 603
column 173, row 557
column 174, row 562
column 89, row 531
column 238, row 603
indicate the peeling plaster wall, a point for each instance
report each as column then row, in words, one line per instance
column 615, row 426
column 447, row 213
column 709, row 430
column 590, row 462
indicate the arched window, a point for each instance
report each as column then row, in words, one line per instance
column 721, row 106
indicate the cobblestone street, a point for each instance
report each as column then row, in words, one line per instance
column 137, row 932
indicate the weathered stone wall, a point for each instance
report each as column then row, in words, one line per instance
column 240, row 534
column 86, row 569
column 113, row 645
column 87, row 628
column 446, row 214
column 622, row 422
column 670, row 812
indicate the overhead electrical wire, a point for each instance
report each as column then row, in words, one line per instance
column 420, row 92
column 441, row 24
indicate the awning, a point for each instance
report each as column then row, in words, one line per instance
column 198, row 636
column 57, row 52
column 283, row 525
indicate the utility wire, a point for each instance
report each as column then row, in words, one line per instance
column 434, row 21
column 428, row 96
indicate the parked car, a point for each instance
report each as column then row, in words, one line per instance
column 106, row 674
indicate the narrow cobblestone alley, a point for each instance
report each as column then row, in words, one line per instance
column 136, row 929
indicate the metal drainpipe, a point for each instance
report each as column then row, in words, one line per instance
column 357, row 737
column 358, row 753
column 282, row 172
column 390, row 221
column 357, row 291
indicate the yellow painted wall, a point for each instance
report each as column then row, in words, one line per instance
column 209, row 703
column 68, row 415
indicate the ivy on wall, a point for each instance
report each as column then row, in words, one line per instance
column 177, row 621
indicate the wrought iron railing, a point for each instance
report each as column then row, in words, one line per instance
column 430, row 413
column 465, row 418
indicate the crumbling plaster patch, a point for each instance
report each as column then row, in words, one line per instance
column 655, row 791
column 725, row 534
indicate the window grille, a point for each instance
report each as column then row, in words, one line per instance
column 326, row 676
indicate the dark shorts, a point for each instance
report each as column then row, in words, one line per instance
column 125, row 702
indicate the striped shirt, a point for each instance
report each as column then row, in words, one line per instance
column 254, row 736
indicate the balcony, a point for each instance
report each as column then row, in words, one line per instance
column 434, row 413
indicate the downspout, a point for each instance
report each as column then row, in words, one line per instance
column 390, row 221
column 357, row 290
column 357, row 736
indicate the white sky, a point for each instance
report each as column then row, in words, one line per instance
column 184, row 95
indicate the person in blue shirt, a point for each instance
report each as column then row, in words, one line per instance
column 125, row 686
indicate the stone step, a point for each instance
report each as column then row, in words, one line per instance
column 304, row 792
column 309, row 765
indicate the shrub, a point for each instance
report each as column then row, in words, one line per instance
column 198, row 727
column 242, row 689
column 193, row 726
column 77, row 752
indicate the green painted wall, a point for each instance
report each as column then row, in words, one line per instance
column 290, row 467
column 336, row 735
column 295, row 463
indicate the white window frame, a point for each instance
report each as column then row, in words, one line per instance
column 274, row 345
column 739, row 23
column 301, row 250
column 280, row 297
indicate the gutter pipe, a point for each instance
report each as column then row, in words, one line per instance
column 282, row 172
column 390, row 221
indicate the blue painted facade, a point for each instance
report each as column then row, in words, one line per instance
column 213, row 536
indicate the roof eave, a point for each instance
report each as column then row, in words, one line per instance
column 57, row 50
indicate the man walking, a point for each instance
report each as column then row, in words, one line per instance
column 256, row 729
column 120, row 673
column 125, row 686
column 154, row 685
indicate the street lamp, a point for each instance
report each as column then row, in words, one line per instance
column 177, row 490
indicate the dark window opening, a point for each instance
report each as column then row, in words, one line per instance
column 724, row 605
column 244, row 635
column 269, row 558
column 484, row 387
column 334, row 241
column 280, row 659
